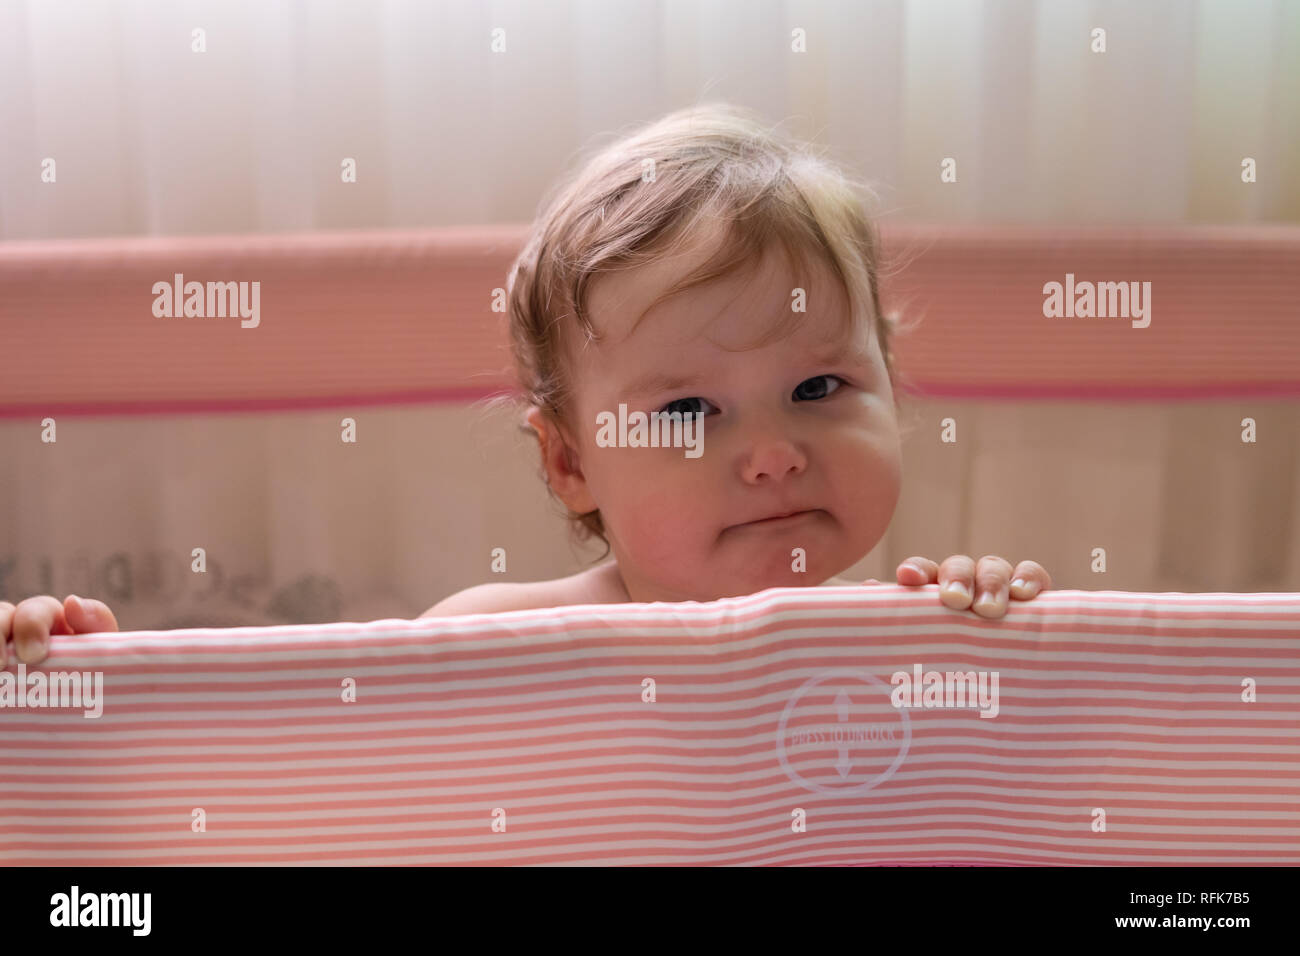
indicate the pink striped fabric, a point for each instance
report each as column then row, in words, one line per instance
column 767, row 710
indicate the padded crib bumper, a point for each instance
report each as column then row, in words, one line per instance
column 793, row 726
column 107, row 313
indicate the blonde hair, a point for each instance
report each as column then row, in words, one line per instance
column 715, row 163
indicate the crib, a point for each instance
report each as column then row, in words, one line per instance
column 182, row 433
column 1109, row 727
column 271, row 701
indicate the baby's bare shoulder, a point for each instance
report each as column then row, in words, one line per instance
column 495, row 597
column 521, row 596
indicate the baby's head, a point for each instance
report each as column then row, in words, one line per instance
column 707, row 264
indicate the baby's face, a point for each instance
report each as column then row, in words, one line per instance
column 804, row 424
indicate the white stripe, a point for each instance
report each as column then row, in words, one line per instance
column 664, row 769
column 956, row 728
column 942, row 656
column 648, row 637
column 239, row 765
column 472, row 745
column 882, row 812
column 955, row 743
column 562, row 828
column 204, row 845
column 636, row 787
column 686, row 717
column 726, row 808
column 246, row 729
column 628, row 677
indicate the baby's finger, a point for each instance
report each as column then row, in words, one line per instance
column 88, row 616
column 957, row 581
column 992, row 577
column 916, row 571
column 6, row 626
column 35, row 619
column 1029, row 578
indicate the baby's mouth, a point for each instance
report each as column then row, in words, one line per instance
column 782, row 520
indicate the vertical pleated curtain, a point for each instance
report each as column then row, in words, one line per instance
column 150, row 137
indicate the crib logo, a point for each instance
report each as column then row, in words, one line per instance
column 843, row 732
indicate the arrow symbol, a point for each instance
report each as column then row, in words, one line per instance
column 843, row 765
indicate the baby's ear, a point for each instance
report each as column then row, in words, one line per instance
column 537, row 422
column 557, row 457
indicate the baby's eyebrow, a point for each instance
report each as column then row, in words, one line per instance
column 653, row 382
column 846, row 353
column 659, row 382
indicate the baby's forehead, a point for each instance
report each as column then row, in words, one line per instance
column 638, row 309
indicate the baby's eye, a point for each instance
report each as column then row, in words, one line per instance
column 804, row 393
column 672, row 406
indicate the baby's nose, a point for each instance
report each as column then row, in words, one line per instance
column 773, row 459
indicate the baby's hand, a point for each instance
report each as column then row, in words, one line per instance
column 31, row 623
column 988, row 583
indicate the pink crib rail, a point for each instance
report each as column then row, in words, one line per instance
column 1127, row 703
column 405, row 317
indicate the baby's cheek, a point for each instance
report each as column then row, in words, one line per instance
column 868, row 481
column 881, row 472
column 662, row 514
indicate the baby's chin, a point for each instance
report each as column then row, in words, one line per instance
column 803, row 553
column 714, row 583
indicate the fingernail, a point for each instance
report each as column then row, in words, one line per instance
column 957, row 588
column 76, row 602
column 986, row 598
column 30, row 651
column 1030, row 586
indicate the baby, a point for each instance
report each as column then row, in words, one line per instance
column 707, row 266
column 704, row 266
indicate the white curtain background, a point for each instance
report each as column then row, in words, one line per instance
column 152, row 138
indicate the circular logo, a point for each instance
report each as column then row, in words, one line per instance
column 844, row 719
